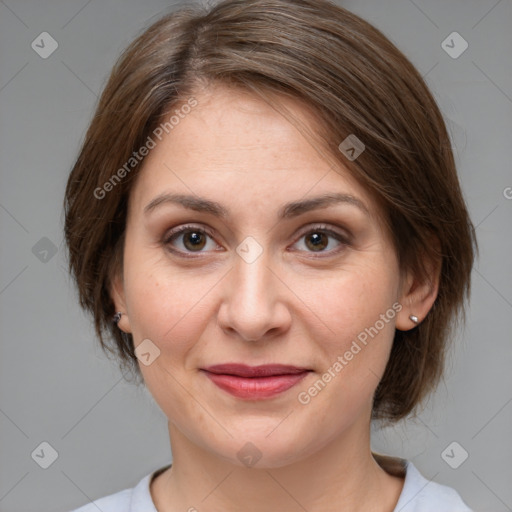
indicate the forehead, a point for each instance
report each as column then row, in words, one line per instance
column 229, row 123
column 234, row 141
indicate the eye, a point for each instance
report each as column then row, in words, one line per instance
column 317, row 239
column 193, row 238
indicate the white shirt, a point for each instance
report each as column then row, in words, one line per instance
column 418, row 495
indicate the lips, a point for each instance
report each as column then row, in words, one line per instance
column 255, row 382
column 267, row 370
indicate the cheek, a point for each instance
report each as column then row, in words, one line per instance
column 354, row 298
column 157, row 299
column 166, row 310
column 357, row 307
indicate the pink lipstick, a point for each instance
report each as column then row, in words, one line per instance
column 255, row 382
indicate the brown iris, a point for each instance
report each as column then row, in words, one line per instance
column 195, row 238
column 320, row 240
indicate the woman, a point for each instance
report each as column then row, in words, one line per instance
column 265, row 217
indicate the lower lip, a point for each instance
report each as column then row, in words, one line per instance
column 255, row 388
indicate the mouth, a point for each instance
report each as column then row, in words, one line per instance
column 255, row 382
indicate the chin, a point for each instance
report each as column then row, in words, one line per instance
column 259, row 450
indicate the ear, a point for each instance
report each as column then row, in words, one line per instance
column 418, row 295
column 118, row 297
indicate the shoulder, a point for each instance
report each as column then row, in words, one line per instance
column 422, row 495
column 112, row 503
column 135, row 499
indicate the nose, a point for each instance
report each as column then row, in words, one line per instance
column 255, row 301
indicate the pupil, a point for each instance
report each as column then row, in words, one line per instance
column 194, row 239
column 317, row 240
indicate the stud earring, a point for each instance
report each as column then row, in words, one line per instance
column 414, row 319
column 117, row 317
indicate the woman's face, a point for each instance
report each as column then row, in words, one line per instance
column 315, row 288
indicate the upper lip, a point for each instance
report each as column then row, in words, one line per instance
column 265, row 370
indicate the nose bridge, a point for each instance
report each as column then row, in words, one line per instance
column 253, row 306
column 253, row 288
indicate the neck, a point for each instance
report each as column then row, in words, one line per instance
column 342, row 476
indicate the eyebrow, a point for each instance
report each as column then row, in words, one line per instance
column 288, row 211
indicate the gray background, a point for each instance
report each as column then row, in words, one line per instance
column 56, row 385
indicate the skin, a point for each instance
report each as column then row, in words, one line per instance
column 293, row 305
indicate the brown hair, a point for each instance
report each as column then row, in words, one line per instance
column 357, row 82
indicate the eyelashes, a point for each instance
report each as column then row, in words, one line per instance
column 174, row 234
column 323, row 237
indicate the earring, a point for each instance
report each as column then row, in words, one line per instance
column 414, row 318
column 117, row 317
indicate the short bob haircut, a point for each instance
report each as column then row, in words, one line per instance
column 356, row 82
